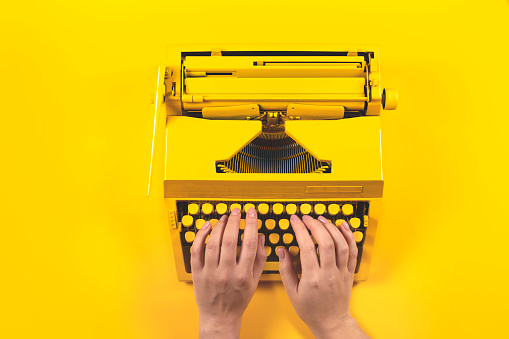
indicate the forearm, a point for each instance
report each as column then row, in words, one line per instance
column 219, row 328
column 347, row 328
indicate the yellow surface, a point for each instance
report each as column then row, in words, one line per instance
column 86, row 255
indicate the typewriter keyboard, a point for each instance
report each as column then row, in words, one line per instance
column 273, row 221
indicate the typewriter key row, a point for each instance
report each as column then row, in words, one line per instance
column 270, row 224
column 277, row 209
column 274, row 238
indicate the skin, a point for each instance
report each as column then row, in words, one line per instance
column 224, row 285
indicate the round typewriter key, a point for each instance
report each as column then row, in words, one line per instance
column 284, row 224
column 207, row 208
column 187, row 221
column 291, row 209
column 305, row 208
column 268, row 249
column 263, row 208
column 234, row 206
column 242, row 224
column 294, row 250
column 347, row 209
column 189, row 237
column 213, row 222
column 276, row 250
column 358, row 236
column 221, row 208
column 270, row 224
column 277, row 208
column 333, row 209
column 200, row 223
column 193, row 208
column 339, row 222
column 274, row 238
column 355, row 222
column 259, row 224
column 287, row 238
column 248, row 206
column 319, row 209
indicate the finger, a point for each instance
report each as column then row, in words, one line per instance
column 288, row 273
column 260, row 259
column 214, row 243
column 308, row 256
column 339, row 242
column 230, row 239
column 353, row 251
column 197, row 254
column 249, row 242
column 325, row 243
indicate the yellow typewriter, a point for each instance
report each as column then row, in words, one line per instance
column 284, row 128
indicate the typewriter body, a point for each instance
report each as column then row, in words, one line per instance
column 285, row 129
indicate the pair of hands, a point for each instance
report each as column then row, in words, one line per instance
column 224, row 285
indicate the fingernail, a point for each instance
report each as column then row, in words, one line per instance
column 306, row 217
column 251, row 212
column 294, row 218
column 206, row 226
column 322, row 220
column 224, row 217
column 345, row 226
column 235, row 211
column 281, row 253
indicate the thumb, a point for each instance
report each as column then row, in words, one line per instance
column 287, row 271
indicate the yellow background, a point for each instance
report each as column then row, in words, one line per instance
column 84, row 252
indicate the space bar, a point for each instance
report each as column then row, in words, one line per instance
column 271, row 266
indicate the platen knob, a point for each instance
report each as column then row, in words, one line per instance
column 389, row 98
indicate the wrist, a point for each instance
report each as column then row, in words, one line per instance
column 342, row 327
column 219, row 327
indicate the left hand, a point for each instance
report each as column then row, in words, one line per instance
column 223, row 285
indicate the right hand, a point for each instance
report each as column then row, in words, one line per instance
column 322, row 296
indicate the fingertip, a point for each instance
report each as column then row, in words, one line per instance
column 261, row 240
column 281, row 253
column 252, row 212
column 294, row 218
column 224, row 218
column 322, row 219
